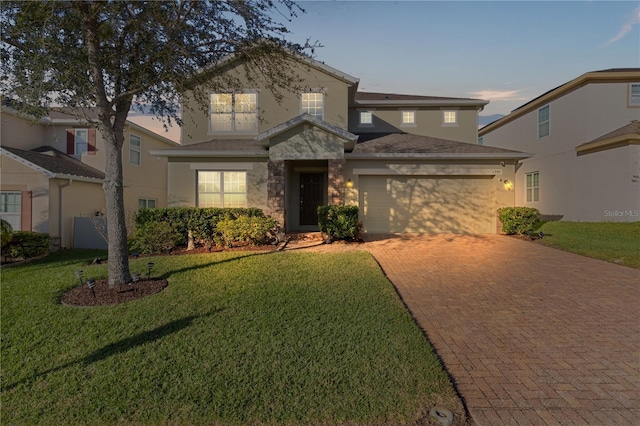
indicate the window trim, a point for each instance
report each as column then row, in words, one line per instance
column 233, row 130
column 146, row 202
column 406, row 123
column 138, row 150
column 547, row 121
column 313, row 91
column 222, row 192
column 453, row 123
column 630, row 96
column 535, row 196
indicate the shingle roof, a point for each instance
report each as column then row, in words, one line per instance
column 241, row 146
column 633, row 128
column 56, row 162
column 405, row 143
column 370, row 96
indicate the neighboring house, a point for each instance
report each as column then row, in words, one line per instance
column 52, row 171
column 586, row 139
column 411, row 163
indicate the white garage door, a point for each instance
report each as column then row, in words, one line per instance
column 458, row 204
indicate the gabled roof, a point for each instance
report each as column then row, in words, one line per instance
column 306, row 118
column 54, row 164
column 394, row 99
column 409, row 146
column 218, row 148
column 603, row 76
column 626, row 135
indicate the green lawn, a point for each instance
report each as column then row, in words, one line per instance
column 613, row 242
column 236, row 338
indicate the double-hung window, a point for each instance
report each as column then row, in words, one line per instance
column 313, row 104
column 147, row 203
column 81, row 141
column 408, row 118
column 366, row 118
column 449, row 118
column 135, row 150
column 10, row 208
column 222, row 188
column 634, row 94
column 532, row 187
column 543, row 122
column 233, row 112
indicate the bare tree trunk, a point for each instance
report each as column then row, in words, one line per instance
column 118, row 260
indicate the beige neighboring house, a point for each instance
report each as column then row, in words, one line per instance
column 585, row 136
column 411, row 163
column 52, row 172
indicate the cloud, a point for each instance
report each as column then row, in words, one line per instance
column 499, row 95
column 626, row 28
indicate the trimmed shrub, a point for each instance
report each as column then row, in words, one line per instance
column 247, row 229
column 6, row 230
column 339, row 222
column 26, row 244
column 155, row 237
column 518, row 220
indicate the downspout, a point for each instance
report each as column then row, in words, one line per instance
column 60, row 188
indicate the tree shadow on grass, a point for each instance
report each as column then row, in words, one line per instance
column 119, row 347
column 168, row 274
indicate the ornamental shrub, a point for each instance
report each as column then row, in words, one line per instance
column 26, row 244
column 155, row 237
column 339, row 222
column 518, row 220
column 248, row 229
column 6, row 230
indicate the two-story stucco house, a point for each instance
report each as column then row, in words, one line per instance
column 585, row 136
column 411, row 163
column 52, row 171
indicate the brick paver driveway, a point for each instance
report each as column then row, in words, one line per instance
column 530, row 334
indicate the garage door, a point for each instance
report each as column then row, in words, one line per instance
column 458, row 204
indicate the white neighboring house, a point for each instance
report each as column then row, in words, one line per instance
column 585, row 136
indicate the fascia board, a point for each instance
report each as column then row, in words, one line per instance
column 405, row 103
column 207, row 153
column 440, row 156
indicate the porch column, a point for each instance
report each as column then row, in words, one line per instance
column 336, row 182
column 275, row 190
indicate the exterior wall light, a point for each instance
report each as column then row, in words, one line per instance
column 349, row 183
column 508, row 185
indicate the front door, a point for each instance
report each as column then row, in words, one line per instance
column 311, row 197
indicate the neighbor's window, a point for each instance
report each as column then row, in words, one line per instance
column 147, row 203
column 408, row 117
column 313, row 104
column 543, row 121
column 366, row 118
column 449, row 117
column 135, row 146
column 481, row 140
column 10, row 208
column 533, row 187
column 222, row 189
column 233, row 112
column 81, row 141
column 634, row 94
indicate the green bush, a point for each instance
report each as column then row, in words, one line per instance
column 26, row 244
column 339, row 222
column 519, row 220
column 202, row 222
column 155, row 237
column 6, row 230
column 251, row 229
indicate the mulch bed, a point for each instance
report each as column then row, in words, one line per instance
column 105, row 295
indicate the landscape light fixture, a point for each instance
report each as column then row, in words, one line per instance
column 150, row 266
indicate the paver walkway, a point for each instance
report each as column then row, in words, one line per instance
column 530, row 334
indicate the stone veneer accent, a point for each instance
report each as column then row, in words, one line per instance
column 275, row 190
column 336, row 182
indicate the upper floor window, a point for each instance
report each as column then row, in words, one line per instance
column 233, row 112
column 481, row 140
column 634, row 94
column 313, row 104
column 408, row 118
column 543, row 121
column 449, row 117
column 532, row 187
column 366, row 118
column 135, row 150
column 222, row 188
column 81, row 141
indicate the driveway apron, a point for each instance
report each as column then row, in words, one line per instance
column 530, row 335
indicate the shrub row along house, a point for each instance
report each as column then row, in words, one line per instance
column 52, row 173
column 586, row 138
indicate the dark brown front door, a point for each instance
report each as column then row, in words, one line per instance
column 311, row 196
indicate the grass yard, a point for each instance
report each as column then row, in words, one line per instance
column 613, row 242
column 236, row 338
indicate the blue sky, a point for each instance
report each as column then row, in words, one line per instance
column 508, row 52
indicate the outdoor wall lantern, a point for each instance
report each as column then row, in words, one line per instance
column 349, row 183
column 508, row 185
